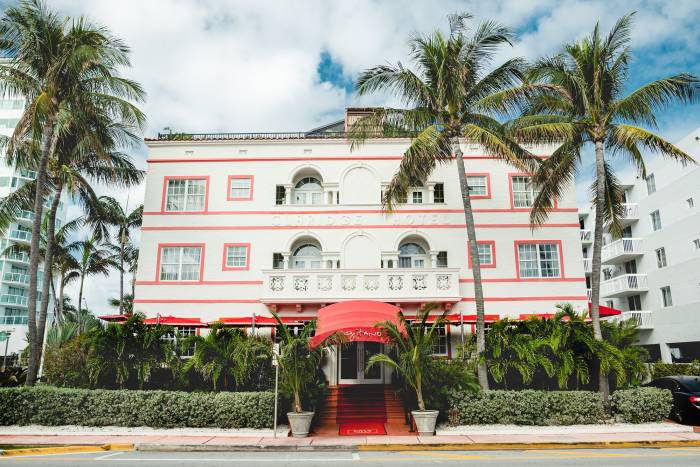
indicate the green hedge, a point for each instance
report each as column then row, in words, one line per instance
column 166, row 409
column 641, row 405
column 660, row 369
column 528, row 407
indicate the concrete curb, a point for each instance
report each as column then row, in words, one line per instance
column 66, row 449
column 414, row 447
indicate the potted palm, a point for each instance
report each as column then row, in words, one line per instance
column 412, row 358
column 298, row 364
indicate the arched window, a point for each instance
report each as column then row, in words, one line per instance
column 412, row 255
column 308, row 190
column 307, row 256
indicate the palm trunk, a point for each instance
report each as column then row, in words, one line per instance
column 80, row 301
column 419, row 394
column 121, row 273
column 133, row 291
column 48, row 269
column 596, row 263
column 34, row 256
column 61, row 294
column 297, row 403
column 482, row 371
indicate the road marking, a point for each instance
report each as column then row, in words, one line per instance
column 108, row 455
column 355, row 456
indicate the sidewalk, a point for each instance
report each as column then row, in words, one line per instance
column 667, row 435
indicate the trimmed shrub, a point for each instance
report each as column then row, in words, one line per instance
column 160, row 409
column 660, row 369
column 526, row 407
column 641, row 405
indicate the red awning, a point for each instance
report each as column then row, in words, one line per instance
column 605, row 310
column 357, row 319
column 247, row 321
column 175, row 321
column 455, row 319
column 114, row 317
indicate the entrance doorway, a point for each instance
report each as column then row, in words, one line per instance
column 353, row 360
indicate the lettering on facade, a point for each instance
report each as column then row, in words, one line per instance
column 364, row 334
column 359, row 219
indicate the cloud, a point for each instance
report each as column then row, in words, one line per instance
column 249, row 65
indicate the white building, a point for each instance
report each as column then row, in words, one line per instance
column 653, row 272
column 236, row 224
column 14, row 277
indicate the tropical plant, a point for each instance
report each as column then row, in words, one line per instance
column 93, row 259
column 111, row 214
column 226, row 357
column 66, row 72
column 452, row 94
column 125, row 305
column 412, row 348
column 582, row 102
column 131, row 256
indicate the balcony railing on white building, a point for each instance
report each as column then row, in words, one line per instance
column 21, row 235
column 18, row 277
column 586, row 236
column 621, row 250
column 17, row 256
column 13, row 320
column 630, row 213
column 643, row 319
column 329, row 285
column 13, row 299
column 26, row 215
column 625, row 284
column 587, row 265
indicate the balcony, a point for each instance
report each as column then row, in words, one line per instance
column 643, row 319
column 13, row 299
column 587, row 265
column 589, row 294
column 630, row 214
column 29, row 174
column 621, row 250
column 21, row 235
column 13, row 320
column 17, row 277
column 586, row 236
column 24, row 215
column 626, row 284
column 17, row 257
column 332, row 285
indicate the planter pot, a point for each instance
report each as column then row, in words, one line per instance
column 425, row 421
column 300, row 423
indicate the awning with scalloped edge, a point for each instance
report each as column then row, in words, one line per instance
column 356, row 319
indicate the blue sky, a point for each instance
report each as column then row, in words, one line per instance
column 290, row 65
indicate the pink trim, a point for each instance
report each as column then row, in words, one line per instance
column 539, row 279
column 488, row 184
column 168, row 300
column 515, row 279
column 525, row 299
column 493, row 254
column 347, row 211
column 296, row 159
column 224, row 267
column 510, row 192
column 204, row 283
column 239, row 177
column 351, row 226
column 201, row 262
column 185, row 177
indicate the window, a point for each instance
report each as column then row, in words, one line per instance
column 661, row 258
column 478, row 186
column 180, row 263
column 277, row 261
column 486, row 254
column 307, row 256
column 240, row 187
column 666, row 296
column 651, row 184
column 417, row 197
column 696, row 243
column 538, row 260
column 634, row 303
column 412, row 255
column 186, row 194
column 308, row 190
column 523, row 192
column 441, row 342
column 280, row 194
column 690, row 203
column 236, row 255
column 439, row 193
column 177, row 337
column 655, row 220
column 442, row 259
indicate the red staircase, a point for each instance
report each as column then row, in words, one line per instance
column 362, row 404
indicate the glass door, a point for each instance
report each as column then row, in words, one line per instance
column 353, row 359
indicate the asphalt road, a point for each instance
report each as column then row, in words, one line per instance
column 566, row 457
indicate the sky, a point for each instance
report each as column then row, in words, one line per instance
column 290, row 65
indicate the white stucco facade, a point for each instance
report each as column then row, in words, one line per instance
column 657, row 253
column 355, row 250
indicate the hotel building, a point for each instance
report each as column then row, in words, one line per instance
column 237, row 224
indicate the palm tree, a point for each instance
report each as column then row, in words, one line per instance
column 412, row 355
column 451, row 95
column 65, row 71
column 93, row 259
column 131, row 256
column 584, row 103
column 125, row 305
column 111, row 214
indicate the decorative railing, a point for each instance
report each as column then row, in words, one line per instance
column 630, row 211
column 589, row 294
column 625, row 284
column 620, row 247
column 275, row 135
column 328, row 285
column 643, row 319
column 587, row 265
column 586, row 236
